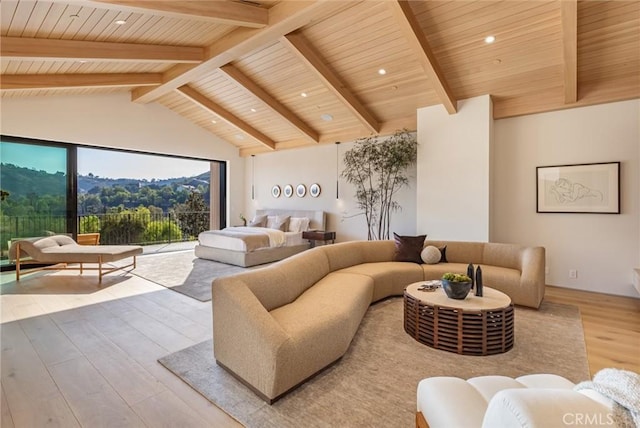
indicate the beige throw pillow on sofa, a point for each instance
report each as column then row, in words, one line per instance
column 430, row 255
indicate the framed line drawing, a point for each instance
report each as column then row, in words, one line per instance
column 592, row 188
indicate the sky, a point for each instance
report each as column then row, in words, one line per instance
column 40, row 158
column 103, row 163
column 113, row 164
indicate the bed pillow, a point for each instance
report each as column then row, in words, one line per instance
column 258, row 221
column 279, row 222
column 298, row 224
column 408, row 248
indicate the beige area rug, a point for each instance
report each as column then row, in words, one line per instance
column 374, row 384
column 184, row 272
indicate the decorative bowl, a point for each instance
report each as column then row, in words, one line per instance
column 456, row 290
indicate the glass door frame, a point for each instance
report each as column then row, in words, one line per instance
column 72, row 177
column 71, row 172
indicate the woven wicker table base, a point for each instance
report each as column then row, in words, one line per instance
column 460, row 326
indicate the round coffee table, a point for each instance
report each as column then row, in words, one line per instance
column 473, row 326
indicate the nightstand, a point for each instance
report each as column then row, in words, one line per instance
column 319, row 235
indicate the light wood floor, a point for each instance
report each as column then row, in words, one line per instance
column 75, row 354
column 611, row 327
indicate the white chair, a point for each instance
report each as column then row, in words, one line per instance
column 539, row 400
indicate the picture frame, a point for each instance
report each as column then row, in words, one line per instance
column 301, row 190
column 314, row 190
column 590, row 188
column 288, row 190
column 275, row 191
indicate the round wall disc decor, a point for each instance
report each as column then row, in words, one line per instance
column 275, row 191
column 301, row 190
column 314, row 190
column 288, row 190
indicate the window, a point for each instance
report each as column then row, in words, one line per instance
column 35, row 185
column 51, row 187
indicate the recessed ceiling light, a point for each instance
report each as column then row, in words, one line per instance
column 120, row 22
column 326, row 117
column 489, row 39
column 82, row 61
column 382, row 72
column 239, row 137
column 303, row 95
column 214, row 121
column 253, row 110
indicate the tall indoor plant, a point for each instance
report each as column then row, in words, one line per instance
column 378, row 169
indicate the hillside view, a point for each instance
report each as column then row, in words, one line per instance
column 122, row 210
column 38, row 192
column 98, row 194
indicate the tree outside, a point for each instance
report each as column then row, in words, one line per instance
column 161, row 231
column 89, row 224
column 193, row 215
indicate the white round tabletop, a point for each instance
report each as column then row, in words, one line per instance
column 491, row 299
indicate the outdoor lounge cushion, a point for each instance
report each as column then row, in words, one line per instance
column 63, row 249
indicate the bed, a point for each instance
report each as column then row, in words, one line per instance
column 250, row 246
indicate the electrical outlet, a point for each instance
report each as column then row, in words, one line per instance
column 573, row 274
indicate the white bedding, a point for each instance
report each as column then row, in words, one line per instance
column 277, row 238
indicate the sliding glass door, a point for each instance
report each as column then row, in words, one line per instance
column 127, row 197
column 35, row 191
column 140, row 198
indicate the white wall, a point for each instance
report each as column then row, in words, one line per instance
column 114, row 121
column 317, row 164
column 603, row 248
column 453, row 171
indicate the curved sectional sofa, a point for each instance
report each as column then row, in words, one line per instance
column 275, row 327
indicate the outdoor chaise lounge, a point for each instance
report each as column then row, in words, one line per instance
column 61, row 250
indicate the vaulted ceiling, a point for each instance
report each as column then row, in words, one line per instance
column 271, row 75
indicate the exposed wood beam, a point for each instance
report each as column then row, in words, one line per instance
column 19, row 47
column 59, row 81
column 569, row 17
column 270, row 101
column 349, row 134
column 222, row 12
column 307, row 54
column 410, row 26
column 284, row 17
column 225, row 115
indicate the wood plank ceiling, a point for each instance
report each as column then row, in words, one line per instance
column 271, row 75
